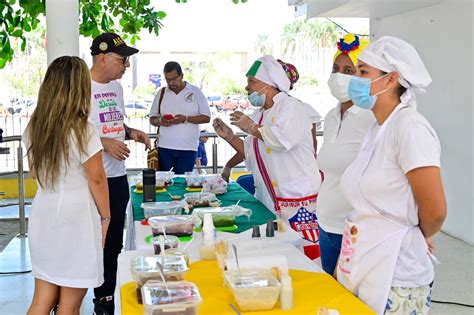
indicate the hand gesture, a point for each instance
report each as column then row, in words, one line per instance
column 222, row 129
column 115, row 148
column 226, row 173
column 178, row 119
column 140, row 136
column 244, row 122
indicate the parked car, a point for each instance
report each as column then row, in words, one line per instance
column 136, row 109
column 235, row 102
column 22, row 107
column 214, row 100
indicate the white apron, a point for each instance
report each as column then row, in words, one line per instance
column 299, row 212
column 371, row 240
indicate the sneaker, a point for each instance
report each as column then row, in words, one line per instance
column 104, row 306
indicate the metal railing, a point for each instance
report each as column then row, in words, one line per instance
column 21, row 172
column 21, row 184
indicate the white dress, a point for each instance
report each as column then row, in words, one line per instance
column 64, row 229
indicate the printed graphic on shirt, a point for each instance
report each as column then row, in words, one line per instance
column 348, row 249
column 190, row 97
column 110, row 116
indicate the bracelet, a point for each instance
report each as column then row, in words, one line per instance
column 104, row 220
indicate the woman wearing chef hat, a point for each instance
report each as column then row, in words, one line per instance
column 394, row 185
column 279, row 150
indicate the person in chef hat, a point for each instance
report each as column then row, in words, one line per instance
column 279, row 149
column 394, row 185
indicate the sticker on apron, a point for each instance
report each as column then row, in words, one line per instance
column 305, row 223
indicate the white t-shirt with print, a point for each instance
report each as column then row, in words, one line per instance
column 190, row 101
column 107, row 115
column 342, row 140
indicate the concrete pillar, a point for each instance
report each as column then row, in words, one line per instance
column 62, row 28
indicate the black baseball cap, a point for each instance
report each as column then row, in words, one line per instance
column 111, row 42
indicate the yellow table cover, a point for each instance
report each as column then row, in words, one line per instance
column 311, row 290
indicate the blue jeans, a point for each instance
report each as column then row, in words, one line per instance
column 181, row 160
column 247, row 183
column 330, row 245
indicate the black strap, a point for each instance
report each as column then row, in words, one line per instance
column 162, row 94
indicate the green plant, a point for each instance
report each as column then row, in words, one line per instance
column 27, row 69
column 232, row 87
column 128, row 17
column 144, row 91
column 307, row 81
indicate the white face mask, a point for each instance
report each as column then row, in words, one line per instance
column 338, row 84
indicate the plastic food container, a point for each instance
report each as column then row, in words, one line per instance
column 146, row 268
column 194, row 180
column 179, row 298
column 170, row 242
column 178, row 252
column 163, row 180
column 177, row 225
column 214, row 184
column 151, row 209
column 198, row 199
column 224, row 216
column 254, row 290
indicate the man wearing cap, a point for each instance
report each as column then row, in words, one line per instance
column 279, row 149
column 110, row 56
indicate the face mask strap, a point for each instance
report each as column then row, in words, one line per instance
column 266, row 86
column 383, row 91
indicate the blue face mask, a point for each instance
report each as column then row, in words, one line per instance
column 256, row 99
column 359, row 92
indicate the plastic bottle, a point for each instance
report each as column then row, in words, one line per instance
column 207, row 249
column 286, row 293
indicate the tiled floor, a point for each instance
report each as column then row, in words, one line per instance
column 454, row 281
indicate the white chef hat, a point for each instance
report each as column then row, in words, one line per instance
column 268, row 70
column 393, row 54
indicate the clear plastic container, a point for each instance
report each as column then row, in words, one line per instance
column 167, row 177
column 179, row 252
column 214, row 184
column 146, row 268
column 152, row 209
column 223, row 216
column 163, row 180
column 253, row 290
column 177, row 225
column 194, row 180
column 177, row 298
column 198, row 199
column 170, row 242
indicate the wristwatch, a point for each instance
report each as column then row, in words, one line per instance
column 185, row 119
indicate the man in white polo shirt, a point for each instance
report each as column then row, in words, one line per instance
column 183, row 107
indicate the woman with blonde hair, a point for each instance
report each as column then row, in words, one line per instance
column 70, row 212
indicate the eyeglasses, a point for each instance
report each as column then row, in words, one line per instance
column 173, row 79
column 124, row 59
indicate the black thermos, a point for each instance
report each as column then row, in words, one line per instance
column 149, row 182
